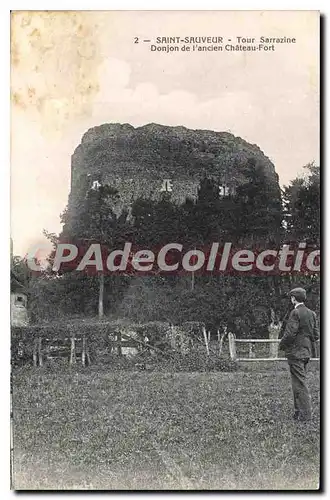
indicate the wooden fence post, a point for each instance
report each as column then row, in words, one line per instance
column 232, row 346
column 83, row 354
column 252, row 350
column 40, row 351
column 206, row 342
column 73, row 351
column 119, row 350
column 34, row 353
column 87, row 353
column 221, row 338
column 173, row 334
column 274, row 332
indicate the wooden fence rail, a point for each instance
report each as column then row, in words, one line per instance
column 75, row 346
column 232, row 340
column 70, row 348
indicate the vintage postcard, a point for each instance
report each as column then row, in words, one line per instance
column 165, row 250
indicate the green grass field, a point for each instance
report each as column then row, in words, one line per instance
column 95, row 429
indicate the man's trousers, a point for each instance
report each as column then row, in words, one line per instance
column 301, row 396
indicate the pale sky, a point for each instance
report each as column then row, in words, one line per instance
column 75, row 70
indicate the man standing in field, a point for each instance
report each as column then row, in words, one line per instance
column 300, row 335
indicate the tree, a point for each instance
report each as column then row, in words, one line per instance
column 93, row 218
column 20, row 270
column 259, row 212
column 302, row 206
column 302, row 221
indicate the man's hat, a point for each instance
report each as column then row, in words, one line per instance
column 299, row 294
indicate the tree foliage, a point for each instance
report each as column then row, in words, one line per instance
column 252, row 215
column 302, row 206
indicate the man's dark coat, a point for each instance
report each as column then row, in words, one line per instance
column 301, row 332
